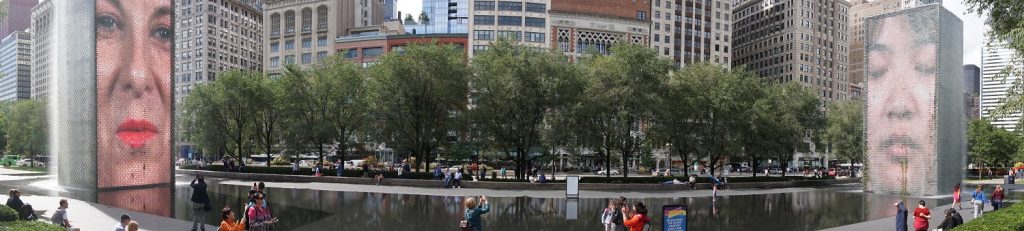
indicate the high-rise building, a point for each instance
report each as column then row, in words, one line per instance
column 523, row 21
column 391, row 11
column 442, row 17
column 995, row 86
column 42, row 18
column 16, row 66
column 795, row 40
column 17, row 17
column 291, row 27
column 972, row 89
column 692, row 31
column 211, row 37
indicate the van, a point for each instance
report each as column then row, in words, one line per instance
column 10, row 160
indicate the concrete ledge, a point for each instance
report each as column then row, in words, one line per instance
column 503, row 185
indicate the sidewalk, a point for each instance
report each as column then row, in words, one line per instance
column 89, row 216
column 889, row 223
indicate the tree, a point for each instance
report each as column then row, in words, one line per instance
column 1007, row 24
column 518, row 90
column 622, row 89
column 326, row 104
column 26, row 129
column 722, row 100
column 203, row 121
column 989, row 145
column 844, row 132
column 225, row 108
column 416, row 96
column 269, row 110
column 797, row 118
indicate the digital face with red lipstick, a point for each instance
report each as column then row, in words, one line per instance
column 133, row 90
column 901, row 75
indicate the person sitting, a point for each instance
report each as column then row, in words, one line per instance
column 693, row 182
column 27, row 213
column 952, row 220
column 542, row 179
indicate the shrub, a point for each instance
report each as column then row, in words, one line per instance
column 1008, row 218
column 30, row 226
column 518, row 181
column 8, row 214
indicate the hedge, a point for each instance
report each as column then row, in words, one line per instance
column 309, row 171
column 29, row 226
column 519, row 181
column 8, row 214
column 1008, row 218
column 700, row 179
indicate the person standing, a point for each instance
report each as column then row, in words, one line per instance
column 295, row 167
column 474, row 211
column 956, row 197
column 503, row 172
column 997, row 198
column 200, row 202
column 607, row 214
column 921, row 216
column 366, row 170
column 901, row 216
column 637, row 217
column 259, row 215
column 338, row 167
column 228, row 222
column 123, row 225
column 618, row 217
column 978, row 200
column 458, row 179
column 437, row 172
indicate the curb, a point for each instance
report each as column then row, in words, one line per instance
column 503, row 185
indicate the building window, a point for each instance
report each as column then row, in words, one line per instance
column 483, row 5
column 321, row 41
column 483, row 19
column 289, row 22
column 320, row 56
column 351, row 53
column 307, row 58
column 534, row 22
column 480, row 47
column 535, row 37
column 536, row 7
column 372, row 52
column 510, row 6
column 657, row 26
column 307, row 42
column 657, row 39
column 642, row 15
column 289, row 59
column 321, row 18
column 275, row 46
column 510, row 21
column 511, row 35
column 483, row 34
column 307, row 20
column 275, row 62
column 289, row 45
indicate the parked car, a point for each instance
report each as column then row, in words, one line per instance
column 604, row 172
column 27, row 162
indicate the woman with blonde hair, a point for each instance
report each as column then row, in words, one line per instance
column 471, row 219
column 132, row 226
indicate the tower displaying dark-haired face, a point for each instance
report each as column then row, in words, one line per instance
column 111, row 98
column 914, row 108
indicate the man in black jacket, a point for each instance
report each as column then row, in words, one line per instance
column 200, row 202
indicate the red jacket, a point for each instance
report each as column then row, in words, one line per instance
column 636, row 223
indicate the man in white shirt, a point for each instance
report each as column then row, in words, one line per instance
column 60, row 217
column 125, row 219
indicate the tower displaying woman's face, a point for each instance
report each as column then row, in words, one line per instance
column 901, row 75
column 133, row 90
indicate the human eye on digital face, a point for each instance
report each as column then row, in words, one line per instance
column 108, row 19
column 160, row 31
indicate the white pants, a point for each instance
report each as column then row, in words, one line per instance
column 979, row 208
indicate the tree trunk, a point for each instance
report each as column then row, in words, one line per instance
column 753, row 162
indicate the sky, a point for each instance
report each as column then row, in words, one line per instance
column 410, row 7
column 973, row 25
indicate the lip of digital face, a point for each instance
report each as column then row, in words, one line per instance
column 133, row 78
column 901, row 74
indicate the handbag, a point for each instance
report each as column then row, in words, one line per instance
column 206, row 207
column 464, row 225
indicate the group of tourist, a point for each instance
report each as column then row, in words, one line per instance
column 952, row 216
column 60, row 216
column 620, row 215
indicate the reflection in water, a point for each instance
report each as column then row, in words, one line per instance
column 306, row 209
